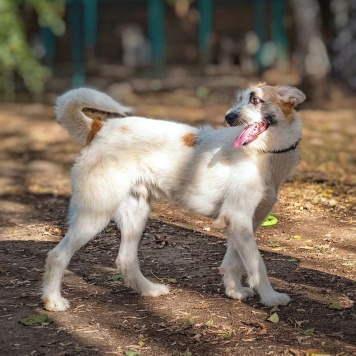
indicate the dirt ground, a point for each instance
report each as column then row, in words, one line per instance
column 310, row 253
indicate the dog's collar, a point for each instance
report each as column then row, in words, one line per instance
column 290, row 148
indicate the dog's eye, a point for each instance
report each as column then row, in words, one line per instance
column 255, row 100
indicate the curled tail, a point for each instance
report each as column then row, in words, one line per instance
column 81, row 110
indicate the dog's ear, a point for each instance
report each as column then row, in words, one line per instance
column 257, row 85
column 290, row 95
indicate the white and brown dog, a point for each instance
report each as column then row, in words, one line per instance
column 232, row 174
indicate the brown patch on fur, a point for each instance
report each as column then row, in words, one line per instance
column 100, row 115
column 124, row 129
column 287, row 108
column 270, row 95
column 95, row 128
column 189, row 139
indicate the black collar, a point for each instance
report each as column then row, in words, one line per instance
column 293, row 147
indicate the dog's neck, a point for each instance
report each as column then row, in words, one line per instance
column 283, row 150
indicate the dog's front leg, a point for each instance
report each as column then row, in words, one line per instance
column 232, row 269
column 242, row 241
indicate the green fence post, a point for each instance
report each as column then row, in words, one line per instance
column 157, row 33
column 76, row 41
column 90, row 23
column 49, row 42
column 260, row 26
column 279, row 35
column 205, row 30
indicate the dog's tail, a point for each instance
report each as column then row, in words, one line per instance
column 81, row 110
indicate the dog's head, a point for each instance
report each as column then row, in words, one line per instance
column 262, row 107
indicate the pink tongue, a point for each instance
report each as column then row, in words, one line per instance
column 244, row 135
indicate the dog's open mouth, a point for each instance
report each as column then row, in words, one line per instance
column 250, row 133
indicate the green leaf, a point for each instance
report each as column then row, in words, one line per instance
column 191, row 320
column 336, row 305
column 274, row 310
column 348, row 264
column 37, row 319
column 270, row 220
column 116, row 277
column 309, row 331
column 274, row 244
column 274, row 318
column 294, row 237
column 132, row 353
column 227, row 335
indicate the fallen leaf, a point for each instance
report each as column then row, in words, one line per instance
column 294, row 237
column 274, row 318
column 274, row 244
column 309, row 331
column 132, row 353
column 270, row 221
column 274, row 309
column 336, row 305
column 37, row 319
column 315, row 352
column 209, row 323
column 348, row 265
column 191, row 320
column 116, row 277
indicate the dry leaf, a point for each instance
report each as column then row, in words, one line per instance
column 274, row 318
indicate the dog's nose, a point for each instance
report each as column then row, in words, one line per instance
column 231, row 117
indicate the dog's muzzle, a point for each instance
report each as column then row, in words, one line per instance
column 232, row 118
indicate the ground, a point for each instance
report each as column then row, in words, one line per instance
column 310, row 253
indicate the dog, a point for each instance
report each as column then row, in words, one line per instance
column 232, row 174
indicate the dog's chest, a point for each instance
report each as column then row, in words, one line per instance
column 281, row 166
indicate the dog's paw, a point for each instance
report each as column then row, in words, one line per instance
column 275, row 298
column 155, row 290
column 56, row 303
column 240, row 294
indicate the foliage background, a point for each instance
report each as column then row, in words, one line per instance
column 16, row 56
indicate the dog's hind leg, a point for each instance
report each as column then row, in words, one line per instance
column 83, row 227
column 132, row 218
column 232, row 269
